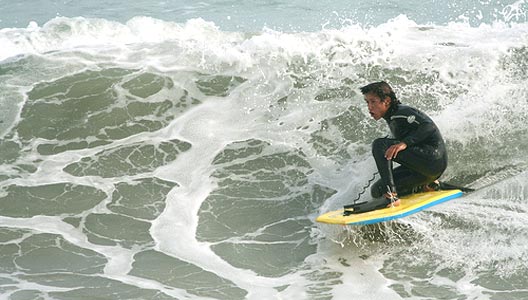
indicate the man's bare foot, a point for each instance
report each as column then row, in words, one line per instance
column 394, row 200
column 431, row 187
column 394, row 203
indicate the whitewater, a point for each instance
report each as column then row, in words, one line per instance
column 175, row 151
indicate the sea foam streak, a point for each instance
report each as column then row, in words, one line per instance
column 165, row 160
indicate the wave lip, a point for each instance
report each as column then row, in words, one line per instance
column 63, row 34
column 96, row 34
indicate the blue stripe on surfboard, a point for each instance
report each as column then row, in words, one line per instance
column 405, row 214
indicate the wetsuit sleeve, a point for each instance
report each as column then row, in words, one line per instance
column 421, row 133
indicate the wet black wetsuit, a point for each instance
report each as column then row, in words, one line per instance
column 424, row 160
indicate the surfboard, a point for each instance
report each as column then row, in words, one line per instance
column 409, row 205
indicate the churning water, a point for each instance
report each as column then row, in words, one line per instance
column 183, row 151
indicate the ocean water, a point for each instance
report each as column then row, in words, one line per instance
column 176, row 150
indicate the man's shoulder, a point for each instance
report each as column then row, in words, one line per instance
column 403, row 111
column 406, row 109
column 409, row 114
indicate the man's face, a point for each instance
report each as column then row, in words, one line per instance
column 376, row 107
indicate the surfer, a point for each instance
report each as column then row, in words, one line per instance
column 416, row 145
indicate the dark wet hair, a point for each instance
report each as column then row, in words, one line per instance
column 382, row 90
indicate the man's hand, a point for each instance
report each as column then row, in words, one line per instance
column 394, row 149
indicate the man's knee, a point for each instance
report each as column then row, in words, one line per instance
column 379, row 145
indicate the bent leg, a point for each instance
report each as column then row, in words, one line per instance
column 418, row 166
column 422, row 161
column 407, row 180
column 379, row 147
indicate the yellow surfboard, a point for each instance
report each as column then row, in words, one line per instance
column 409, row 205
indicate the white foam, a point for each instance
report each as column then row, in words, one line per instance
column 461, row 56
